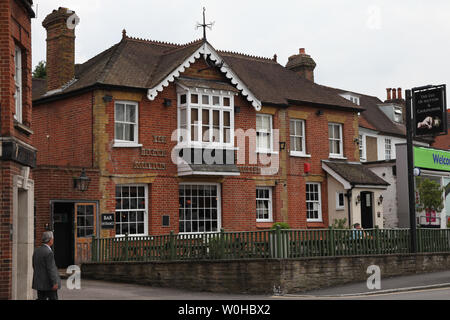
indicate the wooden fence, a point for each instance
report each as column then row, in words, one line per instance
column 278, row 243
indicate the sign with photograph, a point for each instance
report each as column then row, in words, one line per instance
column 429, row 111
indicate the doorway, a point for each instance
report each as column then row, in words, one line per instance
column 367, row 210
column 74, row 224
column 64, row 233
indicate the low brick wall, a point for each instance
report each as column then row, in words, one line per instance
column 263, row 276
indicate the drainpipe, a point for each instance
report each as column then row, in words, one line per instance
column 349, row 202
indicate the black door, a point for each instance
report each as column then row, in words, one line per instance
column 366, row 210
column 63, row 231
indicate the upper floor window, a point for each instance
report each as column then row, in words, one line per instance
column 18, row 84
column 362, row 153
column 297, row 134
column 353, row 98
column 126, row 123
column 264, row 133
column 387, row 149
column 398, row 115
column 206, row 118
column 335, row 140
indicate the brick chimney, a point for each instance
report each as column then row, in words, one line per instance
column 303, row 64
column 60, row 48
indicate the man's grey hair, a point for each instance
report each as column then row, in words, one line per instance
column 47, row 236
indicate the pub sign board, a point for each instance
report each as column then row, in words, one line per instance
column 429, row 111
column 107, row 221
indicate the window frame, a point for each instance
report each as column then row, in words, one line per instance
column 319, row 201
column 270, row 200
column 18, row 92
column 386, row 149
column 338, row 205
column 341, row 140
column 145, row 210
column 127, row 143
column 362, row 147
column 269, row 132
column 295, row 135
column 187, row 105
column 219, row 206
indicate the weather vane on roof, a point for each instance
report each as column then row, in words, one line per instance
column 204, row 25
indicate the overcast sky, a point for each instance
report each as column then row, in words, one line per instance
column 358, row 45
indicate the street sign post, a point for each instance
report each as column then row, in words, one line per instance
column 426, row 115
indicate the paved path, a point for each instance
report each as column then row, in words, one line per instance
column 400, row 283
column 419, row 286
column 103, row 290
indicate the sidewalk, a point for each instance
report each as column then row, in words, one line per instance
column 394, row 284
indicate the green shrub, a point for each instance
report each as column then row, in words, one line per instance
column 282, row 225
column 340, row 224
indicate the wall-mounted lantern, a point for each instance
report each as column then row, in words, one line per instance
column 380, row 199
column 358, row 199
column 82, row 182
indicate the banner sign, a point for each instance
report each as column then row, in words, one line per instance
column 431, row 159
column 429, row 111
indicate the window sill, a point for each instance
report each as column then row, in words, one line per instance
column 266, row 152
column 126, row 145
column 315, row 224
column 299, row 155
column 337, row 157
column 21, row 127
column 205, row 146
column 264, row 224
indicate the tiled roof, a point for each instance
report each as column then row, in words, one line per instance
column 137, row 63
column 355, row 173
column 373, row 117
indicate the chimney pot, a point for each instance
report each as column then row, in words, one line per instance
column 388, row 90
column 399, row 93
column 394, row 94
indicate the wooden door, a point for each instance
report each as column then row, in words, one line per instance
column 366, row 210
column 85, row 228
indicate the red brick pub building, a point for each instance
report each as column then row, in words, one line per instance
column 17, row 156
column 114, row 119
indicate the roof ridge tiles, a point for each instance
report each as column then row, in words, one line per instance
column 248, row 56
column 163, row 43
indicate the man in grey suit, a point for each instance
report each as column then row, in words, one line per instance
column 46, row 279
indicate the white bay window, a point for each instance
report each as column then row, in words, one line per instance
column 206, row 117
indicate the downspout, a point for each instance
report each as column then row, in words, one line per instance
column 349, row 202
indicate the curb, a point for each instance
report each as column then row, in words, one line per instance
column 406, row 289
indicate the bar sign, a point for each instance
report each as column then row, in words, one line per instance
column 107, row 221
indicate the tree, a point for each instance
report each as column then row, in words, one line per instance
column 430, row 195
column 40, row 71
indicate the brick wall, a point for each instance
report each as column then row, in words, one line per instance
column 77, row 140
column 15, row 30
column 262, row 276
